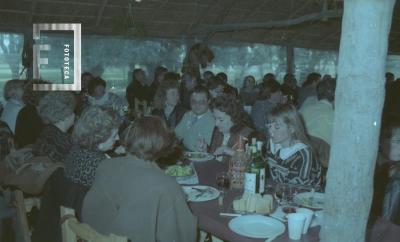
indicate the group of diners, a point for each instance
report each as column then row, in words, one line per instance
column 130, row 195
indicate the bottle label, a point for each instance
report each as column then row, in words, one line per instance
column 262, row 180
column 250, row 183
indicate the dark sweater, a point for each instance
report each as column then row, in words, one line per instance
column 28, row 126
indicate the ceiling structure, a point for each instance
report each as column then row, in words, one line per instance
column 210, row 20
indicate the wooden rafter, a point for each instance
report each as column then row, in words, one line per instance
column 270, row 24
column 220, row 20
column 33, row 9
column 100, row 13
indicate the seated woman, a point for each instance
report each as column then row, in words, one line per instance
column 269, row 97
column 94, row 133
column 216, row 87
column 132, row 197
column 98, row 96
column 231, row 122
column 290, row 156
column 166, row 103
column 56, row 110
column 13, row 91
column 387, row 174
column 249, row 91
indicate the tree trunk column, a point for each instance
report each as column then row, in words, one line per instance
column 358, row 108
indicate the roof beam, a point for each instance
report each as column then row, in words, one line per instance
column 199, row 17
column 100, row 13
column 270, row 24
column 220, row 20
column 33, row 9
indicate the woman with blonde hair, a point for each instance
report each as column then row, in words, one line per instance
column 166, row 103
column 131, row 196
column 290, row 156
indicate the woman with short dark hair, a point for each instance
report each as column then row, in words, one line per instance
column 166, row 103
column 99, row 96
column 231, row 122
column 132, row 197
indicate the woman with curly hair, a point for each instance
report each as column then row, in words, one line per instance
column 94, row 133
column 56, row 110
column 166, row 103
column 231, row 122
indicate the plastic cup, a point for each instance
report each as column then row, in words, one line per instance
column 309, row 216
column 295, row 225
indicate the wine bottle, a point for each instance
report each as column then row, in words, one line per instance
column 255, row 173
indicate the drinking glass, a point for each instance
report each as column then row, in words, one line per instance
column 223, row 181
column 280, row 194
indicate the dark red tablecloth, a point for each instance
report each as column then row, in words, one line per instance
column 210, row 221
column 208, row 216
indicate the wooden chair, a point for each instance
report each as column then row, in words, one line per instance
column 22, row 207
column 72, row 229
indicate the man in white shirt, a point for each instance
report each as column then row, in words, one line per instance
column 197, row 125
column 318, row 117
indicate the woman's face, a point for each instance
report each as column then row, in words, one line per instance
column 279, row 131
column 276, row 97
column 172, row 97
column 222, row 121
column 99, row 92
column 109, row 143
column 217, row 91
column 249, row 82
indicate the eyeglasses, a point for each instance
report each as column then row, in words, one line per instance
column 198, row 102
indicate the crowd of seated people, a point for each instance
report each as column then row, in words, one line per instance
column 206, row 115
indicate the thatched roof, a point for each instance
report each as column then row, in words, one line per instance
column 209, row 20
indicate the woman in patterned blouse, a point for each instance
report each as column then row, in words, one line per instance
column 94, row 133
column 290, row 156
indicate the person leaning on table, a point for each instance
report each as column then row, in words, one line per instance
column 132, row 197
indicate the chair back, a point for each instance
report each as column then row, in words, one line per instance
column 72, row 230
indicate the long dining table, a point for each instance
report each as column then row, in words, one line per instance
column 210, row 220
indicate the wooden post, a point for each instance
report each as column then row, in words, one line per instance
column 289, row 59
column 358, row 108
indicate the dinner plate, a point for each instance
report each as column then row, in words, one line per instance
column 199, row 156
column 310, row 200
column 257, row 226
column 200, row 193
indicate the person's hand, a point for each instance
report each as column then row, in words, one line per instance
column 201, row 145
column 120, row 150
column 224, row 150
column 284, row 99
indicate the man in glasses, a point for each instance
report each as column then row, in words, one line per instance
column 196, row 127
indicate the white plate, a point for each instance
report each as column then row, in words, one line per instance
column 307, row 199
column 203, row 156
column 257, row 226
column 200, row 193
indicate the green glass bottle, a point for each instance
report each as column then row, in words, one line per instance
column 255, row 174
